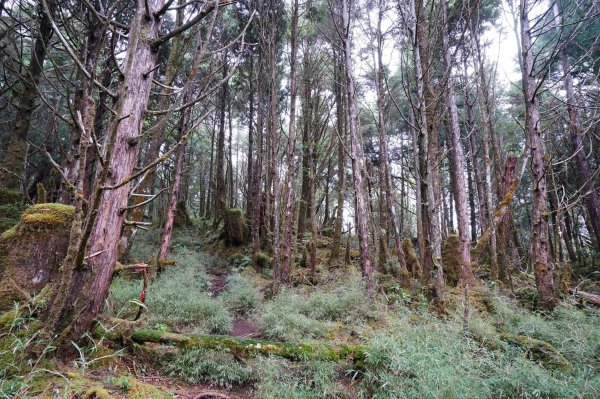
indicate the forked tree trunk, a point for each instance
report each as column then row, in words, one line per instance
column 539, row 214
column 357, row 154
column 157, row 140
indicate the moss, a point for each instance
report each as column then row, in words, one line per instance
column 49, row 214
column 451, row 260
column 263, row 260
column 97, row 393
column 538, row 350
column 235, row 227
column 41, row 193
column 412, row 260
column 31, row 251
column 182, row 218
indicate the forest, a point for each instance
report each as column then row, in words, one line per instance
column 299, row 199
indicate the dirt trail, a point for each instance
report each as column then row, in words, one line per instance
column 242, row 326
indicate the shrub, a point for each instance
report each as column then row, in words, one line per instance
column 216, row 367
column 240, row 295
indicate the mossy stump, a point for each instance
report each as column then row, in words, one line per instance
column 182, row 218
column 235, row 227
column 31, row 251
column 412, row 260
column 451, row 260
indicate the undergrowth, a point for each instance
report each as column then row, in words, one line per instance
column 218, row 368
column 178, row 296
column 294, row 316
column 240, row 296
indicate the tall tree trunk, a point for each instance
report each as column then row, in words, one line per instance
column 220, row 187
column 386, row 173
column 357, row 154
column 457, row 161
column 157, row 140
column 488, row 134
column 13, row 165
column 539, row 214
column 341, row 131
column 290, row 178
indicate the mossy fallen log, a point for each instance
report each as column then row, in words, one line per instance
column 243, row 347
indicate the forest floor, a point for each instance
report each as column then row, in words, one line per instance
column 212, row 329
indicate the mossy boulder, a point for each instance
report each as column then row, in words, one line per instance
column 451, row 260
column 235, row 227
column 11, row 207
column 31, row 251
column 410, row 256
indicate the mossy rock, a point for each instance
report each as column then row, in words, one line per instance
column 451, row 260
column 31, row 251
column 540, row 351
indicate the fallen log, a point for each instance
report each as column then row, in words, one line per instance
column 241, row 347
column 592, row 299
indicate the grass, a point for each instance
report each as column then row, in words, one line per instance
column 306, row 380
column 177, row 297
column 220, row 369
column 292, row 316
column 240, row 296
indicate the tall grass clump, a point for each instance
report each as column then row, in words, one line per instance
column 240, row 296
column 178, row 296
column 292, row 316
column 308, row 380
column 218, row 368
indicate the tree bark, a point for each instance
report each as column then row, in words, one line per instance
column 584, row 177
column 290, row 178
column 386, row 174
column 457, row 160
column 357, row 154
column 539, row 214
